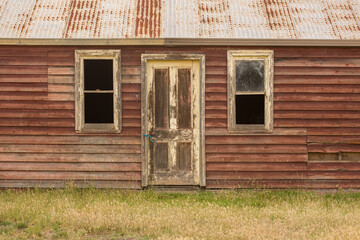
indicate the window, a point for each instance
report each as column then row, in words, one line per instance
column 97, row 91
column 250, row 91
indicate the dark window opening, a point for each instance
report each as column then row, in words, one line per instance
column 99, row 108
column 98, row 74
column 250, row 76
column 250, row 109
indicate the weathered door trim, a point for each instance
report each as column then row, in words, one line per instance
column 144, row 122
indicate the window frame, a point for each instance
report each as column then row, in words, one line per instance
column 268, row 57
column 80, row 125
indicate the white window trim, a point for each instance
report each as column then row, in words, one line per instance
column 268, row 57
column 80, row 125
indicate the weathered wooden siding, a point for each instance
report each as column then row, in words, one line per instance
column 316, row 110
column 38, row 143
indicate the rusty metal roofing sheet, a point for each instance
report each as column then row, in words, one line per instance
column 243, row 19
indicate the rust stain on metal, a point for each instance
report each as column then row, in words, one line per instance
column 148, row 18
column 279, row 18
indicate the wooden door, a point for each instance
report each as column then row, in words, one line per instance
column 173, row 121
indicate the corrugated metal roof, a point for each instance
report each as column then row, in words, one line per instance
column 257, row 19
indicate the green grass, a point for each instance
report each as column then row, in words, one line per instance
column 117, row 214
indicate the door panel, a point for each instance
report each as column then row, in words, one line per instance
column 172, row 103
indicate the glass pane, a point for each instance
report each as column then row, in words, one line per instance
column 99, row 108
column 250, row 75
column 98, row 74
column 250, row 109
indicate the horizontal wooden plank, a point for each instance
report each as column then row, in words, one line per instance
column 131, row 113
column 334, row 148
column 71, row 167
column 132, row 105
column 131, row 88
column 37, row 105
column 334, row 166
column 215, row 114
column 333, row 175
column 59, row 79
column 23, row 78
column 131, row 70
column 57, row 175
column 34, row 122
column 24, row 130
column 334, row 131
column 317, row 62
column 318, row 114
column 316, row 184
column 23, row 87
column 26, row 96
column 317, row 123
column 214, row 105
column 23, row 70
column 214, row 62
column 47, row 140
column 133, row 184
column 16, row 51
column 218, row 79
column 314, row 88
column 63, row 96
column 57, row 70
column 131, row 79
column 61, row 88
column 334, row 139
column 216, row 123
column 270, row 148
column 215, row 87
column 131, row 122
column 256, row 157
column 318, row 80
column 258, row 184
column 36, row 113
column 22, row 61
column 290, row 71
column 216, row 70
column 31, row 148
column 317, row 52
column 216, row 96
column 251, row 139
column 276, row 131
column 316, row 106
column 210, row 175
column 61, row 61
column 73, row 157
column 322, row 97
column 251, row 167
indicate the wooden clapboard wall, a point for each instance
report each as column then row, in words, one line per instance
column 316, row 110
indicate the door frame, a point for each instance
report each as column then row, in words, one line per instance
column 144, row 112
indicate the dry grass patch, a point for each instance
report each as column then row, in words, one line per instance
column 114, row 214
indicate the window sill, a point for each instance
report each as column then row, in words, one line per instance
column 249, row 129
column 99, row 128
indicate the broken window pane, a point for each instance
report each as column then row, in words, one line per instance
column 250, row 75
column 250, row 109
column 98, row 74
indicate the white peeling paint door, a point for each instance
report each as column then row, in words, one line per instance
column 173, row 122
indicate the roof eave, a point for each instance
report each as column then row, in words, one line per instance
column 180, row 42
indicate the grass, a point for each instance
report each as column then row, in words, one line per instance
column 114, row 214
